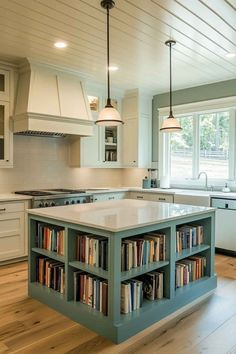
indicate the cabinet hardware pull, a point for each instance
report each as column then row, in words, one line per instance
column 3, row 209
column 139, row 197
column 161, row 198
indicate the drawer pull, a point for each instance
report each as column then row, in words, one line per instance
column 3, row 209
column 139, row 197
column 161, row 198
column 111, row 198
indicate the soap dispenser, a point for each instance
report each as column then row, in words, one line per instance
column 226, row 189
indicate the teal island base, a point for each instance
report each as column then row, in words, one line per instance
column 56, row 261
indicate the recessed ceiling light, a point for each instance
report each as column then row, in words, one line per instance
column 230, row 55
column 60, row 45
column 113, row 68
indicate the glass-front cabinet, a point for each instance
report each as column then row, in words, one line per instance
column 103, row 149
column 5, row 136
column 4, row 85
column 111, row 142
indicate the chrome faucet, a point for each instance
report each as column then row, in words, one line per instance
column 206, row 178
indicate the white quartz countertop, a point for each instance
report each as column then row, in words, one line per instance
column 120, row 215
column 8, row 197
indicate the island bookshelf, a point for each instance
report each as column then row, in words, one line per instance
column 117, row 326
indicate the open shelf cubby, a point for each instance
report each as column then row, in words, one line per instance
column 115, row 325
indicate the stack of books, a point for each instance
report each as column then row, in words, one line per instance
column 50, row 238
column 188, row 236
column 131, row 295
column 51, row 273
column 149, row 285
column 189, row 269
column 91, row 291
column 92, row 250
column 136, row 252
column 153, row 285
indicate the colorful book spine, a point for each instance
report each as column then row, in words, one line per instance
column 91, row 291
column 189, row 269
column 50, row 238
column 136, row 252
column 131, row 295
column 92, row 250
column 51, row 273
column 188, row 236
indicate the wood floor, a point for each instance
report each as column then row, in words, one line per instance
column 27, row 326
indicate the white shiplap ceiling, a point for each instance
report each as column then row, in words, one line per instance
column 205, row 30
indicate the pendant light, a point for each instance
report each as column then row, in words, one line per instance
column 108, row 116
column 170, row 124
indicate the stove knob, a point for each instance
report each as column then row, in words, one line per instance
column 41, row 205
column 53, row 204
column 67, row 202
column 73, row 202
column 46, row 205
column 78, row 201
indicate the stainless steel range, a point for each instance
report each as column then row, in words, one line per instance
column 55, row 197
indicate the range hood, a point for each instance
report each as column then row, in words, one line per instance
column 50, row 102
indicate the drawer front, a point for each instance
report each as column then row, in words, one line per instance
column 109, row 196
column 12, row 207
column 165, row 198
column 155, row 197
column 12, row 238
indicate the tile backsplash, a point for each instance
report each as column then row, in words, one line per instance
column 42, row 163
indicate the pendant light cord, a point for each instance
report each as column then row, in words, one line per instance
column 108, row 60
column 171, row 113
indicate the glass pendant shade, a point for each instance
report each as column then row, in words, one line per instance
column 109, row 116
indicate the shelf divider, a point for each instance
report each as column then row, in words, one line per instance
column 49, row 254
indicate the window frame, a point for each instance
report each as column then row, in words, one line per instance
column 195, row 109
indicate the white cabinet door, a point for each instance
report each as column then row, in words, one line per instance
column 6, row 142
column 137, row 115
column 130, row 143
column 12, row 238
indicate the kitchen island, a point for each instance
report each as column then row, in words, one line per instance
column 57, row 276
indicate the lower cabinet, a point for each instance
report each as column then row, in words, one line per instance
column 109, row 196
column 155, row 197
column 13, row 238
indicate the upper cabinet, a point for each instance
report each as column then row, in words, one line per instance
column 137, row 115
column 6, row 144
column 4, row 85
column 103, row 149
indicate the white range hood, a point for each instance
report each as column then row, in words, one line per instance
column 50, row 101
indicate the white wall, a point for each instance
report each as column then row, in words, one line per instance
column 42, row 163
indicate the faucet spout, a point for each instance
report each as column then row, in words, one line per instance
column 206, row 179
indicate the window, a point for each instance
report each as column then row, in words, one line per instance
column 214, row 144
column 206, row 143
column 181, row 146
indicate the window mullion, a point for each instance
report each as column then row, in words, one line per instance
column 196, row 145
column 232, row 144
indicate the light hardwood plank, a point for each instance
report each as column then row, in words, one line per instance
column 29, row 327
